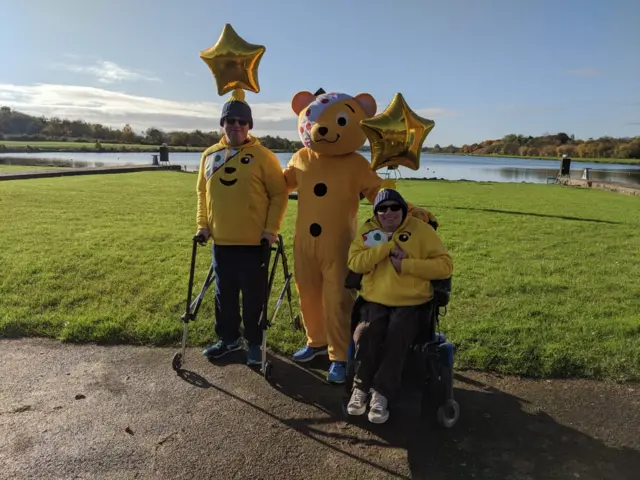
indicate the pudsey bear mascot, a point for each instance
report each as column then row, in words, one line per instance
column 329, row 175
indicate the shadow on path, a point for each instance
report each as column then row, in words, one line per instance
column 496, row 436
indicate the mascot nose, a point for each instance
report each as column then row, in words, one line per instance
column 229, row 169
column 323, row 131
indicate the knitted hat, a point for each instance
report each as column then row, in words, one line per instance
column 389, row 195
column 236, row 107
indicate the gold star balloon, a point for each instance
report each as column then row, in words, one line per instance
column 234, row 62
column 396, row 135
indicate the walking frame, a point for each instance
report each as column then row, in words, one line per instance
column 193, row 306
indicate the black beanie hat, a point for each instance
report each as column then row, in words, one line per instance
column 236, row 107
column 389, row 195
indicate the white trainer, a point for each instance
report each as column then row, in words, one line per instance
column 357, row 403
column 378, row 412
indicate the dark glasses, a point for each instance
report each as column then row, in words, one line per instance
column 233, row 121
column 384, row 208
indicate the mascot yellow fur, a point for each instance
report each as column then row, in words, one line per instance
column 330, row 176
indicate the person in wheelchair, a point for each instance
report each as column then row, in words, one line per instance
column 398, row 257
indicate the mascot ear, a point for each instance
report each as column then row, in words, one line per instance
column 368, row 103
column 301, row 100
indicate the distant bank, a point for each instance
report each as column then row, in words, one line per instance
column 7, row 146
column 10, row 146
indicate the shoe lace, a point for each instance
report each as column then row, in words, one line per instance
column 359, row 396
column 378, row 402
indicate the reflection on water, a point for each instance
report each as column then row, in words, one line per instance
column 448, row 167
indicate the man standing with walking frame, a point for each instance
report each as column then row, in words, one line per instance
column 242, row 198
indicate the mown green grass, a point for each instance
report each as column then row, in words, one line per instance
column 546, row 281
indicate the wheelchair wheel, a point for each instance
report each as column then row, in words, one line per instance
column 449, row 413
column 176, row 362
column 268, row 371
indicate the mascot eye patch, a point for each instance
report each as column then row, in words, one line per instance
column 374, row 237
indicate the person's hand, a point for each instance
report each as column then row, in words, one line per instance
column 269, row 237
column 397, row 264
column 204, row 233
column 398, row 253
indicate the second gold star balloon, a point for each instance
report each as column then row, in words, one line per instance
column 396, row 135
column 234, row 62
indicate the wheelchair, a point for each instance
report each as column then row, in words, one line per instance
column 192, row 306
column 430, row 352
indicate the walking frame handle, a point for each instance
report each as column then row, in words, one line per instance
column 197, row 240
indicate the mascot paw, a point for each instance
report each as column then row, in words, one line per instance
column 423, row 215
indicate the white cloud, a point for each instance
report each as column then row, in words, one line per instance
column 584, row 72
column 104, row 71
column 530, row 109
column 433, row 113
column 96, row 105
column 115, row 109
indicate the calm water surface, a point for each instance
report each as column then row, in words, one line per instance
column 448, row 167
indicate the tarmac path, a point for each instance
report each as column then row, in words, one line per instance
column 94, row 412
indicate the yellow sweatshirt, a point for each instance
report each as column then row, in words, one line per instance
column 427, row 260
column 241, row 193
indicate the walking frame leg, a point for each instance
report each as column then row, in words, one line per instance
column 266, row 319
column 189, row 314
column 287, row 278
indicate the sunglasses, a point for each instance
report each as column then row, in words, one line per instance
column 233, row 121
column 384, row 208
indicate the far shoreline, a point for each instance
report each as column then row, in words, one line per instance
column 77, row 147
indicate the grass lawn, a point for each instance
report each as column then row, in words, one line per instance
column 546, row 278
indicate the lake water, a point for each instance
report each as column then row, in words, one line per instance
column 448, row 167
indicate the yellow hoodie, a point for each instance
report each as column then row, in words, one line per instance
column 427, row 260
column 241, row 192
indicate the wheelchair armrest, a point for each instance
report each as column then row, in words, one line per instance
column 441, row 291
column 353, row 281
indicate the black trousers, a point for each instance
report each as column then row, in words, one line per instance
column 382, row 340
column 240, row 269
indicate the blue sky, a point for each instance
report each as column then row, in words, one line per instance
column 480, row 69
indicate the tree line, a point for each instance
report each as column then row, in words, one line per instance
column 19, row 126
column 551, row 146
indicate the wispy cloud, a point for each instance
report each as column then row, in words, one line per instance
column 116, row 109
column 104, row 71
column 530, row 109
column 584, row 72
column 433, row 113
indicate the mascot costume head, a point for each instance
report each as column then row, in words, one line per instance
column 329, row 123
